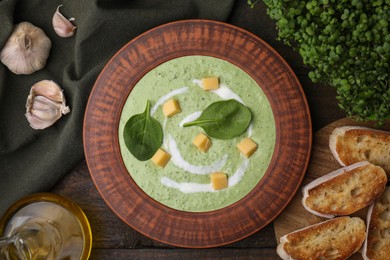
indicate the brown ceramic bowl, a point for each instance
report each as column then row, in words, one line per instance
column 287, row 166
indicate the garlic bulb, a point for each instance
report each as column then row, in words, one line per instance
column 26, row 50
column 62, row 26
column 45, row 104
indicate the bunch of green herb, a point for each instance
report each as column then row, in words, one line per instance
column 347, row 43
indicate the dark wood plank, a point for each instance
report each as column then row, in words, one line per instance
column 145, row 254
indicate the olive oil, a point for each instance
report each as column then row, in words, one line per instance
column 45, row 226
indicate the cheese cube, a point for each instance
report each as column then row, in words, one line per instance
column 210, row 83
column 218, row 180
column 161, row 158
column 247, row 147
column 171, row 108
column 202, row 142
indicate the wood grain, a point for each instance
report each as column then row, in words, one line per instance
column 267, row 68
column 295, row 216
column 152, row 254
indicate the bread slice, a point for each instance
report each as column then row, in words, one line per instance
column 351, row 144
column 337, row 238
column 344, row 191
column 377, row 244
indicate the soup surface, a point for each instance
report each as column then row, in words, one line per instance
column 184, row 183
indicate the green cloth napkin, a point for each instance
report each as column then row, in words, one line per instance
column 35, row 160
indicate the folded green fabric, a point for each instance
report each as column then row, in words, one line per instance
column 35, row 160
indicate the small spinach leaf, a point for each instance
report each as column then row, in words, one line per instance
column 224, row 119
column 143, row 135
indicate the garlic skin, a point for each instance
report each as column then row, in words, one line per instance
column 45, row 104
column 26, row 50
column 62, row 26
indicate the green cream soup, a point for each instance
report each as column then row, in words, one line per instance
column 184, row 183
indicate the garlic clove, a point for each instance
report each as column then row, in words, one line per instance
column 40, row 102
column 47, row 115
column 45, row 109
column 62, row 26
column 45, row 104
column 37, row 123
column 26, row 50
column 48, row 89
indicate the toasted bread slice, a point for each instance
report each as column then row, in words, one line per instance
column 344, row 191
column 337, row 238
column 351, row 144
column 377, row 244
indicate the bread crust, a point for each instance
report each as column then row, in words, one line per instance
column 377, row 244
column 351, row 144
column 337, row 238
column 344, row 191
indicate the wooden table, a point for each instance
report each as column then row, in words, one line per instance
column 113, row 239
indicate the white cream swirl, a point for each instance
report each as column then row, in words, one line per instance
column 192, row 187
column 225, row 93
column 180, row 162
column 166, row 97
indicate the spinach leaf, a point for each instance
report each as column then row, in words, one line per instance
column 143, row 135
column 224, row 119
